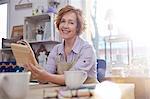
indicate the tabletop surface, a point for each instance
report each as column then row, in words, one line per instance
column 142, row 86
column 39, row 91
column 53, row 91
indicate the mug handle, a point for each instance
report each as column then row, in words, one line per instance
column 84, row 76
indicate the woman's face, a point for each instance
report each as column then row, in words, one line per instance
column 68, row 26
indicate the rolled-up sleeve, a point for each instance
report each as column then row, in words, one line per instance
column 51, row 61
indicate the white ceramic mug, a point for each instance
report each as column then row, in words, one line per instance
column 14, row 85
column 75, row 79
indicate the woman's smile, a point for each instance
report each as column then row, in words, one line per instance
column 65, row 31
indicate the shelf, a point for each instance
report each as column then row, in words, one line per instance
column 44, row 41
column 116, row 38
column 6, row 49
column 43, row 23
column 34, row 25
column 35, row 42
column 41, row 17
column 118, row 49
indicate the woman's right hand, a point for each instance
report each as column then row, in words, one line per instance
column 37, row 72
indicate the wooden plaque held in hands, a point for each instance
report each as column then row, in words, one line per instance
column 23, row 53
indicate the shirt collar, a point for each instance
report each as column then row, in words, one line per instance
column 76, row 47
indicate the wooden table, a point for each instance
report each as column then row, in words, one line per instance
column 142, row 85
column 37, row 91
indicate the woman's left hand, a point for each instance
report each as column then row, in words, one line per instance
column 37, row 72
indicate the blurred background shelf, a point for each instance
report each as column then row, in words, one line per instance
column 118, row 50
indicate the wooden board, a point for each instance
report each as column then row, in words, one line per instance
column 23, row 54
column 23, row 6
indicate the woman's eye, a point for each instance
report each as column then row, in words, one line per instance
column 62, row 21
column 71, row 23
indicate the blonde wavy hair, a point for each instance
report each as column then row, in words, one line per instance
column 79, row 15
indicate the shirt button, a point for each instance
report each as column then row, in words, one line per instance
column 84, row 61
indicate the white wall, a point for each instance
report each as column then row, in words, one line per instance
column 16, row 17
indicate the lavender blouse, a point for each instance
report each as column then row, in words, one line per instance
column 86, row 61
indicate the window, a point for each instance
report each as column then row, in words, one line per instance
column 122, row 17
column 3, row 21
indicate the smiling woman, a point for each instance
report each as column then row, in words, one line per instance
column 71, row 54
